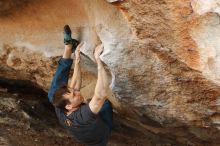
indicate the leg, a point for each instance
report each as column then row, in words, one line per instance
column 62, row 73
column 106, row 113
column 64, row 65
column 67, row 51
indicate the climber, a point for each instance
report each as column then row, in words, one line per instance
column 90, row 123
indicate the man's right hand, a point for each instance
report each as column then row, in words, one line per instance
column 77, row 52
column 98, row 51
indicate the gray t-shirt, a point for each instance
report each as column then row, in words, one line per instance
column 87, row 127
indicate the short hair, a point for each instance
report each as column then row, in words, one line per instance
column 59, row 101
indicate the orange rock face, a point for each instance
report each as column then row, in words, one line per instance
column 163, row 55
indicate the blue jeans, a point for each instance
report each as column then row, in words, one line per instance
column 61, row 76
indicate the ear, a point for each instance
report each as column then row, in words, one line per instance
column 68, row 107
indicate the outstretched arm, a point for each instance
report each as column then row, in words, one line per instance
column 102, row 85
column 76, row 78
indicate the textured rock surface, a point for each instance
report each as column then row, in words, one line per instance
column 26, row 114
column 163, row 54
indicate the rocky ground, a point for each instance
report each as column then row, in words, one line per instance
column 28, row 119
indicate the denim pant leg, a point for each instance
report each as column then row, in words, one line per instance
column 61, row 76
column 106, row 113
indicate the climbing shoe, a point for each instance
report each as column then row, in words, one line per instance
column 75, row 43
column 68, row 39
column 67, row 35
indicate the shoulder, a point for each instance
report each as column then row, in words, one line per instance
column 85, row 109
column 96, row 104
column 84, row 113
column 60, row 113
column 61, row 117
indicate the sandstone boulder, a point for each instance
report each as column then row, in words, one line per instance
column 163, row 56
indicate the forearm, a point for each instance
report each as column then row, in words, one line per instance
column 76, row 78
column 102, row 84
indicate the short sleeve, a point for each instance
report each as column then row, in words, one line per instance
column 84, row 115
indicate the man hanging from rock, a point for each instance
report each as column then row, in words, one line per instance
column 91, row 123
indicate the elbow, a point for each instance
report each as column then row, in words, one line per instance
column 101, row 95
